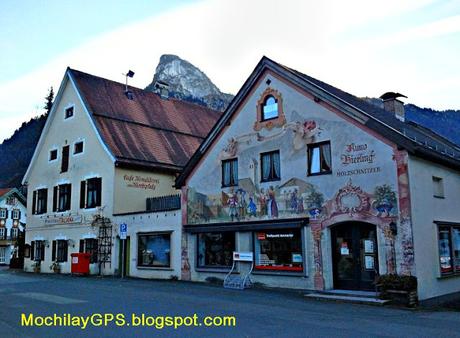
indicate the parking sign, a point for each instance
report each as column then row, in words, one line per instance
column 123, row 230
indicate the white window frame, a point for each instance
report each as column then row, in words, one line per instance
column 75, row 143
column 68, row 106
column 3, row 212
column 57, row 155
column 17, row 212
column 2, row 232
column 16, row 233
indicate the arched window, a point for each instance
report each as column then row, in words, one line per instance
column 270, row 108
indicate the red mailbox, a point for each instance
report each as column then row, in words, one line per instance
column 80, row 263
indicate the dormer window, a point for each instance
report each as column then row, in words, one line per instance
column 68, row 112
column 270, row 108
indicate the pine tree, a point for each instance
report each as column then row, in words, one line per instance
column 49, row 101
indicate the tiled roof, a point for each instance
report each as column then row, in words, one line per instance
column 148, row 130
column 419, row 134
column 3, row 191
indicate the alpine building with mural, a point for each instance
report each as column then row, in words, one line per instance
column 327, row 190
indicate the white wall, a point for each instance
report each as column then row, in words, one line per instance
column 167, row 221
column 425, row 210
column 93, row 162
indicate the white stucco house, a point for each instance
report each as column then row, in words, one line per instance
column 13, row 220
column 109, row 154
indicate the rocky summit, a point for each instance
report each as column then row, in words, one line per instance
column 187, row 82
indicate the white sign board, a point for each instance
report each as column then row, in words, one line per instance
column 123, row 230
column 243, row 256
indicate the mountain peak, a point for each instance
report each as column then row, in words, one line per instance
column 187, row 82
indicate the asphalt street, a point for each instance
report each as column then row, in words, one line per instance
column 258, row 312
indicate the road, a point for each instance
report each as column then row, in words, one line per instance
column 258, row 313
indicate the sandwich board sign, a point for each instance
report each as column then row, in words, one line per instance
column 243, row 256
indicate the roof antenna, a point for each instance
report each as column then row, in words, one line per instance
column 128, row 93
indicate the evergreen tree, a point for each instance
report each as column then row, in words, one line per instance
column 49, row 101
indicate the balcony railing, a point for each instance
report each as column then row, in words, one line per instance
column 163, row 203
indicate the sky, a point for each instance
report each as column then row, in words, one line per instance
column 363, row 47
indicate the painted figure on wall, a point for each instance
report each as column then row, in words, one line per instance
column 252, row 208
column 272, row 206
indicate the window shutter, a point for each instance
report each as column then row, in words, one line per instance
column 82, row 194
column 82, row 245
column 69, row 197
column 32, row 250
column 55, row 198
column 34, row 202
column 42, row 251
column 6, row 213
column 46, row 201
column 98, row 191
column 19, row 214
column 66, row 252
column 53, row 251
column 65, row 159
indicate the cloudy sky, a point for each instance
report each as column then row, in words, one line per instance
column 361, row 46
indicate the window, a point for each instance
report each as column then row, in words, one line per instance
column 215, row 250
column 62, row 197
column 39, row 201
column 270, row 166
column 438, row 187
column 269, row 108
column 91, row 193
column 59, row 251
column 16, row 214
column 14, row 233
column 68, row 112
column 449, row 249
column 78, row 147
column 37, row 250
column 3, row 213
column 154, row 250
column 230, row 173
column 53, row 154
column 89, row 245
column 2, row 233
column 319, row 158
column 279, row 250
column 65, row 159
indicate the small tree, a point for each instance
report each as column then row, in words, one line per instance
column 49, row 101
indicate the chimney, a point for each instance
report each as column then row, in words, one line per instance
column 393, row 105
column 162, row 88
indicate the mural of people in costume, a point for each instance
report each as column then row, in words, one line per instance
column 252, row 208
column 272, row 206
column 262, row 203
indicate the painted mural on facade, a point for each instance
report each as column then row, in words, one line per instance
column 363, row 184
column 294, row 195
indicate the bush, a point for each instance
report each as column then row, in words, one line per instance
column 397, row 282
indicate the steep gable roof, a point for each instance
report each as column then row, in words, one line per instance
column 5, row 192
column 405, row 135
column 147, row 131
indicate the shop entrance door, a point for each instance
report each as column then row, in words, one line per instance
column 127, row 245
column 354, row 256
